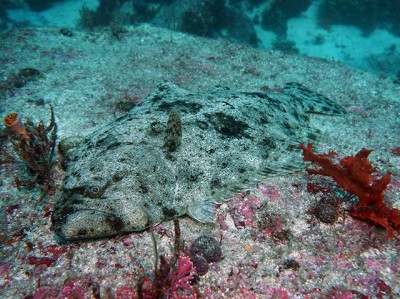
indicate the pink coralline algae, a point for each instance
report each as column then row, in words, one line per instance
column 43, row 293
column 243, row 213
column 70, row 291
column 278, row 293
column 395, row 151
column 175, row 284
column 376, row 286
column 73, row 291
column 271, row 191
column 359, row 110
column 125, row 293
column 180, row 278
column 127, row 241
column 37, row 261
column 54, row 250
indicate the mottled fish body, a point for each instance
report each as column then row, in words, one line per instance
column 180, row 152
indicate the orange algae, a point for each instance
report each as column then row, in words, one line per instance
column 354, row 175
column 13, row 122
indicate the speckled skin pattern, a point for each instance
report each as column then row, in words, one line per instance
column 123, row 177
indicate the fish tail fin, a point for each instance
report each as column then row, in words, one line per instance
column 313, row 102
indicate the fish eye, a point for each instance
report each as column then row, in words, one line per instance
column 95, row 191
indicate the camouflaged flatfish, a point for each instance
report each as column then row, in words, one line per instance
column 180, row 152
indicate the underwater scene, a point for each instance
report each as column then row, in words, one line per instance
column 200, row 149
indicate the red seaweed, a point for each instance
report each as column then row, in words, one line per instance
column 37, row 261
column 355, row 175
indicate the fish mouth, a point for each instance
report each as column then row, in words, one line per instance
column 86, row 224
column 77, row 217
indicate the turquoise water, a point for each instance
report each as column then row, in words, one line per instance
column 364, row 34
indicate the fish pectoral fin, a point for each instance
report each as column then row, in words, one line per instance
column 202, row 212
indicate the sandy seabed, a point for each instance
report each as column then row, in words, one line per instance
column 272, row 246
